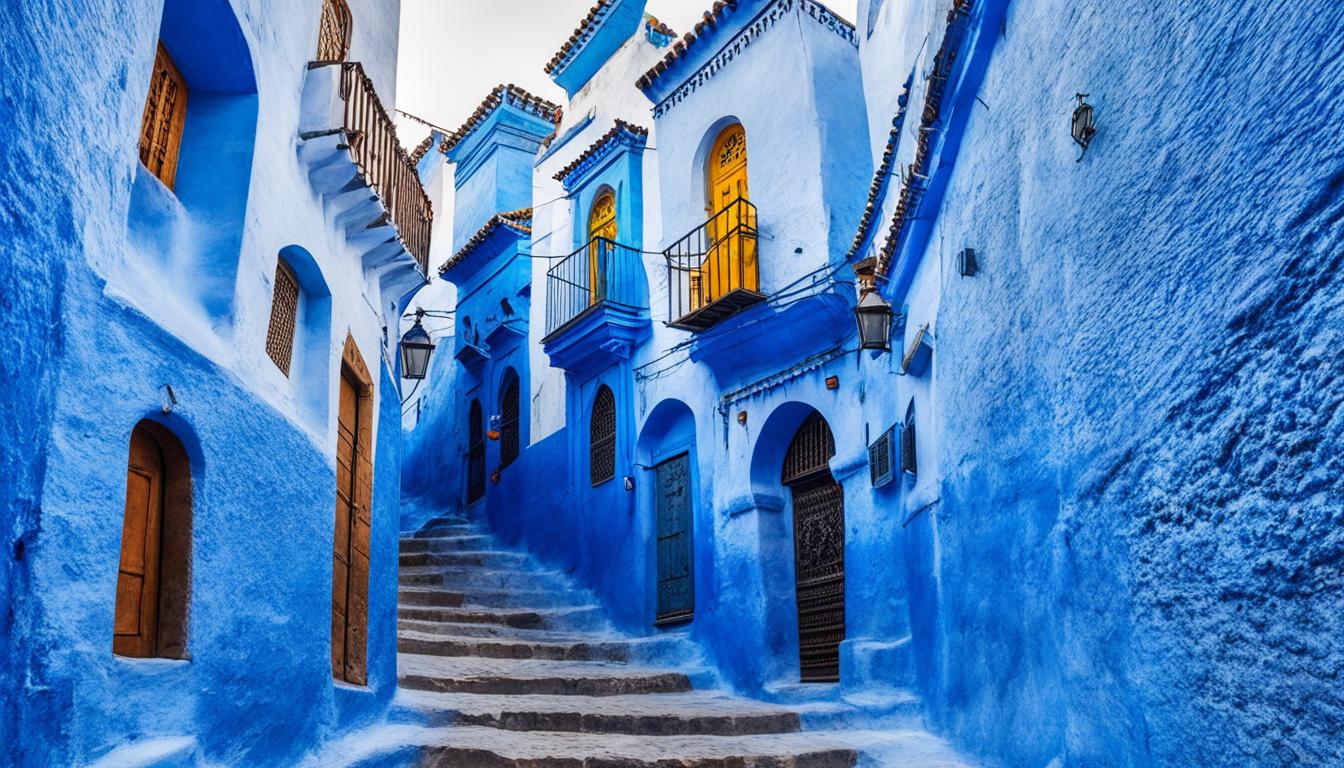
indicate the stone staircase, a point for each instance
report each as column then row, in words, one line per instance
column 504, row 663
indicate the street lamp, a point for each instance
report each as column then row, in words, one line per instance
column 416, row 347
column 873, row 313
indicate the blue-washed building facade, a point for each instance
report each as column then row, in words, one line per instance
column 1085, row 510
column 210, row 229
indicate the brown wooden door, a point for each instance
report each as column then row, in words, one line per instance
column 135, row 627
column 350, row 565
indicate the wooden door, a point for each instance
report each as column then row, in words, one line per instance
column 676, row 586
column 350, row 566
column 730, row 261
column 819, row 550
column 135, row 627
column 601, row 224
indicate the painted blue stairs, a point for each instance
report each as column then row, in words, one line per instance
column 505, row 663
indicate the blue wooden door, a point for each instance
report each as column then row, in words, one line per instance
column 676, row 586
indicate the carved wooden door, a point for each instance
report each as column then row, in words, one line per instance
column 135, row 626
column 676, row 587
column 730, row 262
column 350, row 565
column 819, row 550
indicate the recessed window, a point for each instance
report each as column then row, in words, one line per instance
column 508, row 421
column 602, row 437
column 908, row 464
column 165, row 115
column 333, row 33
column 475, row 453
column 284, row 316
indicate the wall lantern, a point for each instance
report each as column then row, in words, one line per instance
column 967, row 264
column 1084, row 124
column 416, row 347
column 873, row 313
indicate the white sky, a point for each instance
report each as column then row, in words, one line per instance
column 453, row 52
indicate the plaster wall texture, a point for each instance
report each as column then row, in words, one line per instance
column 138, row 287
column 1133, row 553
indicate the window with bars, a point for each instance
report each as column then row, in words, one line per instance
column 333, row 32
column 284, row 316
column 476, row 453
column 165, row 115
column 508, row 422
column 908, row 463
column 602, row 437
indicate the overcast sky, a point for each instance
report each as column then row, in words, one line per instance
column 454, row 51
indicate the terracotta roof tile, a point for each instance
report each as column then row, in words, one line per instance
column 620, row 127
column 502, row 93
column 520, row 221
column 580, row 36
column 421, row 149
column 708, row 23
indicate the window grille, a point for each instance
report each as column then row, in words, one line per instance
column 476, row 453
column 508, row 424
column 333, row 32
column 882, row 459
column 284, row 315
column 809, row 455
column 165, row 115
column 908, row 464
column 602, row 437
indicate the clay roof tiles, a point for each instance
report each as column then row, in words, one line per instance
column 520, row 221
column 579, row 36
column 708, row 23
column 502, row 93
column 617, row 129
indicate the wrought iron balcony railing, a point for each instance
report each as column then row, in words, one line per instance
column 384, row 162
column 602, row 271
column 712, row 272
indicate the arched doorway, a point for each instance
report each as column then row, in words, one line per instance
column 819, row 549
column 354, row 492
column 730, row 261
column 510, row 415
column 601, row 234
column 154, row 570
column 666, row 447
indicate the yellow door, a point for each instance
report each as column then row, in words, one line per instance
column 730, row 261
column 601, row 224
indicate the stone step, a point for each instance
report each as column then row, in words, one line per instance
column 441, row 598
column 430, row 644
column 527, row 599
column 533, row 676
column 573, row 619
column 512, row 579
column 491, row 631
column 668, row 714
column 454, row 543
column 459, row 558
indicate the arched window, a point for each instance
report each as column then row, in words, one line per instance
column 602, row 437
column 475, row 453
column 165, row 115
column 508, row 420
column 601, row 234
column 333, row 32
column 284, row 316
column 154, row 573
column 908, row 464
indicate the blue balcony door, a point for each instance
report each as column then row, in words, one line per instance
column 676, row 585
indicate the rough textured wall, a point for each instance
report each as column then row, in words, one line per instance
column 1140, row 535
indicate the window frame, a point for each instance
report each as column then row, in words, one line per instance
column 164, row 118
column 602, row 446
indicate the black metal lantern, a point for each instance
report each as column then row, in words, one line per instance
column 1084, row 125
column 874, row 316
column 416, row 347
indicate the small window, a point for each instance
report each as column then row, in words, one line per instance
column 602, row 437
column 908, row 463
column 508, row 422
column 165, row 115
column 333, row 33
column 476, row 453
column 284, row 315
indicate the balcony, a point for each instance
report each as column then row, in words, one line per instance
column 596, row 305
column 356, row 163
column 712, row 272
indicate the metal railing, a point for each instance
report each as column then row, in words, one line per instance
column 712, row 272
column 384, row 162
column 600, row 271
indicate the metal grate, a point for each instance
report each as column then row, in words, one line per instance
column 712, row 272
column 333, row 32
column 882, row 459
column 165, row 115
column 602, row 437
column 908, row 463
column 476, row 454
column 810, row 452
column 601, row 271
column 508, row 424
column 284, row 315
